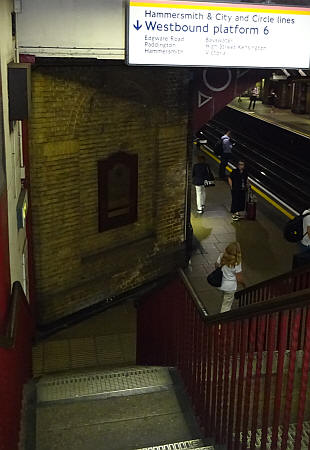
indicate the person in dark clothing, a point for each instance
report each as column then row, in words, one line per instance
column 201, row 172
column 253, row 97
column 238, row 182
column 272, row 99
column 226, row 155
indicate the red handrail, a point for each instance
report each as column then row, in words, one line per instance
column 15, row 367
column 286, row 283
column 246, row 371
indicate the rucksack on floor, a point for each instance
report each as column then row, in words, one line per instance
column 294, row 231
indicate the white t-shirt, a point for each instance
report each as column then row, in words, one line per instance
column 306, row 223
column 229, row 281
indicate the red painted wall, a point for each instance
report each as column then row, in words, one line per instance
column 214, row 88
column 15, row 370
column 5, row 281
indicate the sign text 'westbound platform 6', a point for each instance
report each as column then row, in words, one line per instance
column 181, row 33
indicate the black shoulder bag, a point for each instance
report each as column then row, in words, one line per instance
column 215, row 277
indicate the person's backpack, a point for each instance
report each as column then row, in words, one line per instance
column 293, row 231
column 218, row 147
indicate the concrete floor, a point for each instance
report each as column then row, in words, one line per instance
column 283, row 117
column 116, row 423
column 265, row 252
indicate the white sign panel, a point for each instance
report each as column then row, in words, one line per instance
column 182, row 33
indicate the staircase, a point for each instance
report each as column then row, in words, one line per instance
column 246, row 374
column 122, row 409
column 133, row 408
column 246, row 371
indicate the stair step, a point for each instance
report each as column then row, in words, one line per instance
column 115, row 423
column 127, row 381
column 197, row 444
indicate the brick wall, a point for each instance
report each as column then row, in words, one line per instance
column 82, row 114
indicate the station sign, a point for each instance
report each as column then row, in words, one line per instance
column 181, row 33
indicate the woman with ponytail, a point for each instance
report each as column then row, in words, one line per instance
column 230, row 262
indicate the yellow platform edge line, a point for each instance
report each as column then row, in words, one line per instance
column 257, row 190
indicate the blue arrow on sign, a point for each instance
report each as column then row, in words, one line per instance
column 137, row 26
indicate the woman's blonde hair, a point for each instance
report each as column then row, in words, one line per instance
column 232, row 255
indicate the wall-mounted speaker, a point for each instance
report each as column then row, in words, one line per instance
column 19, row 90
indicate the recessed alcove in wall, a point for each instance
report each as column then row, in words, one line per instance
column 117, row 190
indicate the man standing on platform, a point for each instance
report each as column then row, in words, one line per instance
column 226, row 155
column 272, row 99
column 253, row 97
column 238, row 182
column 201, row 172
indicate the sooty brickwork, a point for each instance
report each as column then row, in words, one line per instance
column 82, row 114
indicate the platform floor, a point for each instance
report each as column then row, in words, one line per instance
column 264, row 250
column 299, row 123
